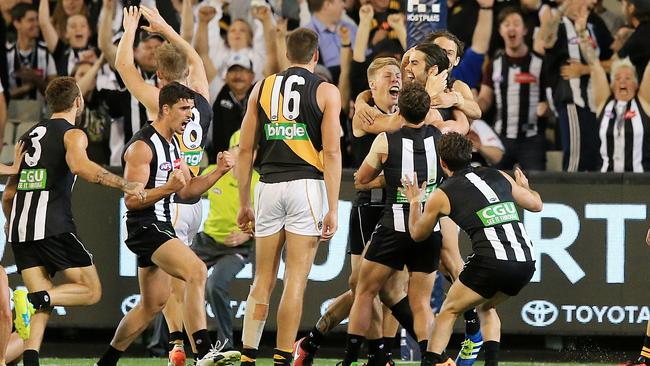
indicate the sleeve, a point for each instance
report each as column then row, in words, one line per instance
column 259, row 50
column 469, row 69
column 379, row 146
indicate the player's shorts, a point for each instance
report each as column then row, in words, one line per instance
column 363, row 221
column 55, row 253
column 486, row 276
column 298, row 206
column 145, row 240
column 396, row 249
column 187, row 221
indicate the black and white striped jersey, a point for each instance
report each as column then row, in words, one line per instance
column 517, row 92
column 410, row 150
column 166, row 157
column 482, row 205
column 624, row 137
column 39, row 59
column 41, row 206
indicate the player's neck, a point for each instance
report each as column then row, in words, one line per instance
column 309, row 67
column 25, row 43
column 164, row 131
column 385, row 106
column 69, row 116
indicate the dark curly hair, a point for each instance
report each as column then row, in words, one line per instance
column 414, row 103
column 455, row 150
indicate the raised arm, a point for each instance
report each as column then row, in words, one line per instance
column 366, row 13
column 304, row 13
column 201, row 43
column 523, row 194
column 550, row 23
column 75, row 142
column 196, row 80
column 281, row 44
column 600, row 84
column 105, row 32
column 187, row 21
column 483, row 30
column 87, row 82
column 397, row 22
column 346, row 64
column 264, row 15
column 48, row 31
column 124, row 64
column 328, row 96
column 644, row 87
column 196, row 186
column 485, row 98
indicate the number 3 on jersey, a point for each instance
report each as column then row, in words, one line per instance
column 35, row 136
column 290, row 102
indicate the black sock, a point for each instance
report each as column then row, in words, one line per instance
column 432, row 358
column 312, row 341
column 645, row 351
column 30, row 357
column 248, row 356
column 352, row 347
column 472, row 324
column 423, row 346
column 109, row 358
column 491, row 349
column 389, row 342
column 40, row 299
column 281, row 358
column 402, row 312
column 176, row 337
column 376, row 352
column 202, row 342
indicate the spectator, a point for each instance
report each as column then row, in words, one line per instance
column 222, row 246
column 612, row 20
column 513, row 81
column 569, row 79
column 487, row 148
column 637, row 47
column 75, row 48
column 230, row 106
column 623, row 108
column 460, row 13
column 325, row 21
column 383, row 35
column 620, row 37
column 29, row 64
column 63, row 11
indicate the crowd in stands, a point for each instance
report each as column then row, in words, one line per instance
column 533, row 75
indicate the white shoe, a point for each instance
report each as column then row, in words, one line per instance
column 218, row 358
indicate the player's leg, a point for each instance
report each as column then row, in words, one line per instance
column 5, row 316
column 491, row 328
column 419, row 293
column 154, row 291
column 389, row 329
column 268, row 250
column 15, row 348
column 36, row 279
column 394, row 296
column 173, row 313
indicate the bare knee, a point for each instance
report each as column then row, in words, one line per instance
column 262, row 287
column 152, row 307
column 197, row 274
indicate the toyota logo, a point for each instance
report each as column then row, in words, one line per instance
column 539, row 313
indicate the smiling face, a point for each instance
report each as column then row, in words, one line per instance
column 239, row 35
column 77, row 31
column 385, row 86
column 451, row 49
column 624, row 84
column 28, row 25
column 239, row 79
column 416, row 69
column 513, row 31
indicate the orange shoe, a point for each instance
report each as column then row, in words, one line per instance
column 177, row 356
column 300, row 356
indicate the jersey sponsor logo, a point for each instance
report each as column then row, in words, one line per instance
column 401, row 198
column 630, row 114
column 31, row 179
column 193, row 158
column 525, row 78
column 499, row 213
column 286, row 131
column 177, row 163
column 165, row 167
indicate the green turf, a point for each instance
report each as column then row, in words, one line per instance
column 264, row 362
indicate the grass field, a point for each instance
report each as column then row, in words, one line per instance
column 267, row 362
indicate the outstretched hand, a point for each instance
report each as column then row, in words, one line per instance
column 156, row 22
column 410, row 189
column 520, row 178
column 130, row 19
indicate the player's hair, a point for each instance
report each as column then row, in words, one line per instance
column 378, row 64
column 301, row 45
column 507, row 11
column 19, row 11
column 620, row 63
column 434, row 56
column 455, row 150
column 414, row 103
column 172, row 63
column 61, row 93
column 460, row 46
column 171, row 93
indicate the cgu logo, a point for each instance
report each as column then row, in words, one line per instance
column 286, row 131
column 498, row 213
column 33, row 175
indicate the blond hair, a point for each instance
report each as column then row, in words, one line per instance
column 379, row 63
column 620, row 63
column 172, row 63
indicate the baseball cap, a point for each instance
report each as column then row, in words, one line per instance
column 234, row 139
column 240, row 60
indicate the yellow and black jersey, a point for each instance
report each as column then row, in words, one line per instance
column 291, row 144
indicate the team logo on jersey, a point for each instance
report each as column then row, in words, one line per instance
column 630, row 114
column 286, row 131
column 32, row 179
column 177, row 163
column 499, row 213
column 165, row 167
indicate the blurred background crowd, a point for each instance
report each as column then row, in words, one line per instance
column 547, row 102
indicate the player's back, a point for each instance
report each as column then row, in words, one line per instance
column 42, row 207
column 290, row 127
column 482, row 204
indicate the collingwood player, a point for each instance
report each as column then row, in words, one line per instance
column 38, row 210
column 484, row 203
column 176, row 61
column 409, row 150
column 153, row 157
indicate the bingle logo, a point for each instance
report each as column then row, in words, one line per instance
column 539, row 313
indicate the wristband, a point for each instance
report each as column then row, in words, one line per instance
column 486, row 7
column 346, row 45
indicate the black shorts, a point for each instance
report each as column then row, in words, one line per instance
column 144, row 241
column 487, row 276
column 396, row 249
column 55, row 253
column 363, row 221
